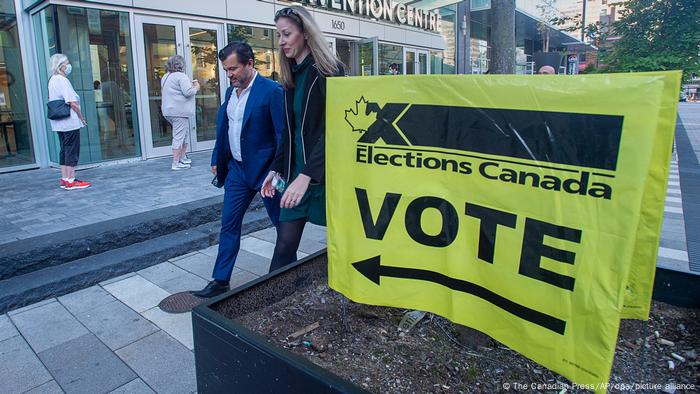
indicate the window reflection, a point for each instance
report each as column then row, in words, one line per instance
column 160, row 44
column 205, row 69
column 388, row 55
column 264, row 44
column 98, row 45
column 16, row 146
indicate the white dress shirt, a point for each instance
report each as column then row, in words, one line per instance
column 235, row 111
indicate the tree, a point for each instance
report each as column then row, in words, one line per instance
column 571, row 24
column 656, row 35
column 503, row 36
column 548, row 15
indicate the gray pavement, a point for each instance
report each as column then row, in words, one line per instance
column 32, row 204
column 112, row 337
column 680, row 223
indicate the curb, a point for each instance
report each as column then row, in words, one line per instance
column 44, row 251
column 58, row 280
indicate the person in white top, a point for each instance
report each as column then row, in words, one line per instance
column 68, row 128
column 178, row 92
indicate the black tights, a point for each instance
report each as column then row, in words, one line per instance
column 288, row 238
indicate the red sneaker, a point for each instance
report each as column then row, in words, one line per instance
column 62, row 183
column 77, row 184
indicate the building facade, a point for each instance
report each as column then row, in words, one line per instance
column 118, row 49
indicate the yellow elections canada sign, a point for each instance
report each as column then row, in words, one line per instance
column 527, row 207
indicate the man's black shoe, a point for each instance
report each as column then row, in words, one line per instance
column 213, row 289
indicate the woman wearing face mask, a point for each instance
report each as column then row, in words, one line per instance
column 305, row 63
column 68, row 129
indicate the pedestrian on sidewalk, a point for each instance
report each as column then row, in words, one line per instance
column 68, row 128
column 248, row 133
column 178, row 92
column 305, row 63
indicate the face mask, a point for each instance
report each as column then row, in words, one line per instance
column 68, row 69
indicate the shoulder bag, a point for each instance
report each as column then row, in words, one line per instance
column 57, row 109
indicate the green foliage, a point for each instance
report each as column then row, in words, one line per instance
column 246, row 34
column 590, row 69
column 655, row 35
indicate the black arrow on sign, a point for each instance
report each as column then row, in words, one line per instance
column 373, row 270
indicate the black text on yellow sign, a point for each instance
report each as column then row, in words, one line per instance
column 533, row 249
column 505, row 203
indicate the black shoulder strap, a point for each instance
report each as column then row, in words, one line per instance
column 322, row 83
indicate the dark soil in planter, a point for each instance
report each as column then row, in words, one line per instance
column 362, row 343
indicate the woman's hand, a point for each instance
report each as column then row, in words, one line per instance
column 267, row 190
column 295, row 191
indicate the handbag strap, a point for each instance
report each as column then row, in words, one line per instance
column 162, row 85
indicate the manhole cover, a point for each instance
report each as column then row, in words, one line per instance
column 180, row 302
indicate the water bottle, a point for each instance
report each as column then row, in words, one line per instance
column 278, row 183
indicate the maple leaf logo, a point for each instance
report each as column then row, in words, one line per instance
column 359, row 119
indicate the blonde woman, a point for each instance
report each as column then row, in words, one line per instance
column 305, row 63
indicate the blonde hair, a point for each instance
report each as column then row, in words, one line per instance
column 326, row 61
column 55, row 63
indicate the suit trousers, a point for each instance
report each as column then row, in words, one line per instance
column 238, row 193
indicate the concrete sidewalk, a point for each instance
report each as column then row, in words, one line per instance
column 32, row 204
column 113, row 338
column 679, row 248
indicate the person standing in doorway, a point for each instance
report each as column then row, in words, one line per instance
column 394, row 69
column 248, row 134
column 178, row 92
column 305, row 63
column 68, row 129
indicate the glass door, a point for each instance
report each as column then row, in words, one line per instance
column 202, row 43
column 416, row 61
column 346, row 51
column 331, row 43
column 423, row 65
column 368, row 56
column 157, row 40
column 198, row 42
column 409, row 56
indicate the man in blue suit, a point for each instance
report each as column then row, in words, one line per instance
column 248, row 133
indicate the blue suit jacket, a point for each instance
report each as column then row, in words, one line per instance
column 261, row 135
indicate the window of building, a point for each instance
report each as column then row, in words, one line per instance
column 264, row 45
column 448, row 30
column 388, row 55
column 16, row 148
column 98, row 45
column 345, row 50
column 437, row 64
column 478, row 53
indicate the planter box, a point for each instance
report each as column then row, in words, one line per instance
column 677, row 288
column 231, row 358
